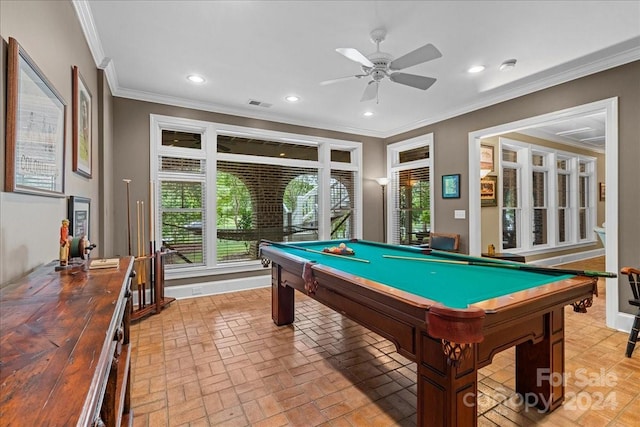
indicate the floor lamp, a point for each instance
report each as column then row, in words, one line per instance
column 383, row 184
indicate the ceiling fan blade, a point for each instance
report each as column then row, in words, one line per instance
column 341, row 79
column 419, row 82
column 418, row 56
column 370, row 92
column 355, row 55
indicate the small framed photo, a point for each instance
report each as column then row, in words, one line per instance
column 79, row 212
column 451, row 186
column 602, row 187
column 486, row 158
column 488, row 191
column 81, row 125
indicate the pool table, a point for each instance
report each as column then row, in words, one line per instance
column 449, row 317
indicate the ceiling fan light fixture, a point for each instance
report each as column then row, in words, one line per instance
column 475, row 69
column 508, row 65
column 194, row 78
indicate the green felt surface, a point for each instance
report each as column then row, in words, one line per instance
column 453, row 285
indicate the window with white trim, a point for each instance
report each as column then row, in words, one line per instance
column 410, row 193
column 547, row 198
column 222, row 189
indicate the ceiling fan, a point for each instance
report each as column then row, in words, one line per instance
column 380, row 65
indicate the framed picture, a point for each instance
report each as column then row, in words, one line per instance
column 602, row 187
column 488, row 190
column 451, row 186
column 82, row 153
column 486, row 158
column 35, row 136
column 79, row 212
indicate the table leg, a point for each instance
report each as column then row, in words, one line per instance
column 282, row 298
column 540, row 366
column 447, row 395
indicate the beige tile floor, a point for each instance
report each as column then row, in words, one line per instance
column 220, row 361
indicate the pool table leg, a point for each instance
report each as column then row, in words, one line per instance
column 540, row 366
column 282, row 298
column 447, row 395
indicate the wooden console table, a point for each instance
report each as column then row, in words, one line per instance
column 64, row 347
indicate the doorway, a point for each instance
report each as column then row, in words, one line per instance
column 610, row 109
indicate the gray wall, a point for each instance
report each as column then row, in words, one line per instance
column 51, row 35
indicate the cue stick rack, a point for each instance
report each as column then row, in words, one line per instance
column 150, row 275
column 149, row 268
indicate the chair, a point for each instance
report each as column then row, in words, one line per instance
column 634, row 281
column 444, row 242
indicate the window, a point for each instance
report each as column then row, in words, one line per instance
column 410, row 191
column 547, row 197
column 539, row 186
column 564, row 211
column 222, row 189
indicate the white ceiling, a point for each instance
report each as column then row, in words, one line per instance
column 265, row 50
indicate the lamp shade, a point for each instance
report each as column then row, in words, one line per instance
column 383, row 181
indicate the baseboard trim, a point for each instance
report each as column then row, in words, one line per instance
column 564, row 259
column 201, row 289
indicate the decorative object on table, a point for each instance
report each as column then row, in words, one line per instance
column 97, row 264
column 491, row 250
column 65, row 243
column 71, row 248
column 451, row 186
column 488, row 196
column 82, row 125
column 35, row 135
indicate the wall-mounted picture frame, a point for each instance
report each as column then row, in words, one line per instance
column 451, row 186
column 488, row 191
column 602, row 188
column 35, row 132
column 79, row 215
column 486, row 158
column 82, row 131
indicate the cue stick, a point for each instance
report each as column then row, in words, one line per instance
column 523, row 267
column 138, row 225
column 285, row 245
column 127, row 181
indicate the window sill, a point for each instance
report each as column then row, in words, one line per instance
column 203, row 271
column 550, row 249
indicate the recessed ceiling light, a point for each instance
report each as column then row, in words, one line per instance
column 368, row 113
column 194, row 78
column 283, row 154
column 507, row 65
column 476, row 69
column 292, row 98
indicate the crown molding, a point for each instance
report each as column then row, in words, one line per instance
column 614, row 56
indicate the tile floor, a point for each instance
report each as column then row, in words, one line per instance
column 220, row 361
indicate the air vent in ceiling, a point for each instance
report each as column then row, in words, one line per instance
column 259, row 103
